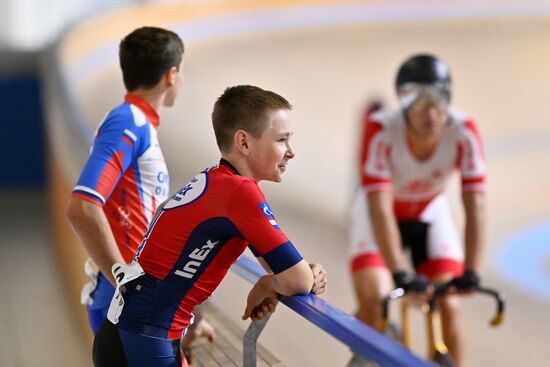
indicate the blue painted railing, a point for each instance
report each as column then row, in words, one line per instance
column 356, row 335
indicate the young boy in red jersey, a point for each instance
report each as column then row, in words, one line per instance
column 201, row 231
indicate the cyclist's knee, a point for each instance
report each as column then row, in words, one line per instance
column 370, row 313
column 372, row 285
column 450, row 307
column 370, row 308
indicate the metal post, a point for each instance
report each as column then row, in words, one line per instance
column 250, row 340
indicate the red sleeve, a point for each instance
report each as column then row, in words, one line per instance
column 254, row 219
column 375, row 167
column 373, row 107
column 471, row 158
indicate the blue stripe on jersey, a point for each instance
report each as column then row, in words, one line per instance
column 109, row 141
column 282, row 257
column 90, row 195
column 150, row 304
column 144, row 241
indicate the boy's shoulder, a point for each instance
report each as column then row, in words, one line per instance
column 128, row 114
column 230, row 184
column 228, row 177
column 217, row 187
column 125, row 116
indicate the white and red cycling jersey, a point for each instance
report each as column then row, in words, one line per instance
column 387, row 163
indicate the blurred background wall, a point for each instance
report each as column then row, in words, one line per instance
column 38, row 322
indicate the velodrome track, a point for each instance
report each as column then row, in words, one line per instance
column 327, row 63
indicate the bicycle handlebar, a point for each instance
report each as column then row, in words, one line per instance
column 441, row 290
column 500, row 301
column 392, row 296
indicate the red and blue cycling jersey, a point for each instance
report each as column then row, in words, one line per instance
column 126, row 173
column 191, row 244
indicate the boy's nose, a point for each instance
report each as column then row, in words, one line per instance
column 290, row 152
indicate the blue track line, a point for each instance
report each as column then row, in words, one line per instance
column 524, row 260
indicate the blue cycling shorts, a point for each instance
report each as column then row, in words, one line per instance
column 117, row 347
column 102, row 295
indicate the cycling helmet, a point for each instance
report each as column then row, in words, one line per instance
column 422, row 74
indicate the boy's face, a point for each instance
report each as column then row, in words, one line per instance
column 427, row 116
column 269, row 155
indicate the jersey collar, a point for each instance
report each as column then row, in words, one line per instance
column 145, row 107
column 225, row 162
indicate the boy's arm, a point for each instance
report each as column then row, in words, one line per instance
column 89, row 222
column 474, row 207
column 385, row 229
column 116, row 145
column 473, row 171
column 319, row 275
column 387, row 236
column 298, row 279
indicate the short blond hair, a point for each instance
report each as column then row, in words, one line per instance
column 243, row 107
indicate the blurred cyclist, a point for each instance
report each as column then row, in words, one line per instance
column 408, row 156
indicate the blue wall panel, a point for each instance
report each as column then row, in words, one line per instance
column 22, row 153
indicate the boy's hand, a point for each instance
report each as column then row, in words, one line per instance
column 266, row 308
column 319, row 278
column 261, row 300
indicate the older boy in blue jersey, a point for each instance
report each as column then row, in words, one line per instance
column 201, row 230
column 125, row 177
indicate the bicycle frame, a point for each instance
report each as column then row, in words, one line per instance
column 437, row 350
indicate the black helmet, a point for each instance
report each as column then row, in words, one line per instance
column 424, row 70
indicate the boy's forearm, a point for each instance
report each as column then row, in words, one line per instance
column 387, row 237
column 474, row 206
column 296, row 280
column 92, row 227
column 386, row 231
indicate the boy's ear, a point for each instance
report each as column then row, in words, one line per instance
column 241, row 141
column 170, row 76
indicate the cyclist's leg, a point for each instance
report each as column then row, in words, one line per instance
column 444, row 260
column 372, row 280
column 451, row 323
column 371, row 285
